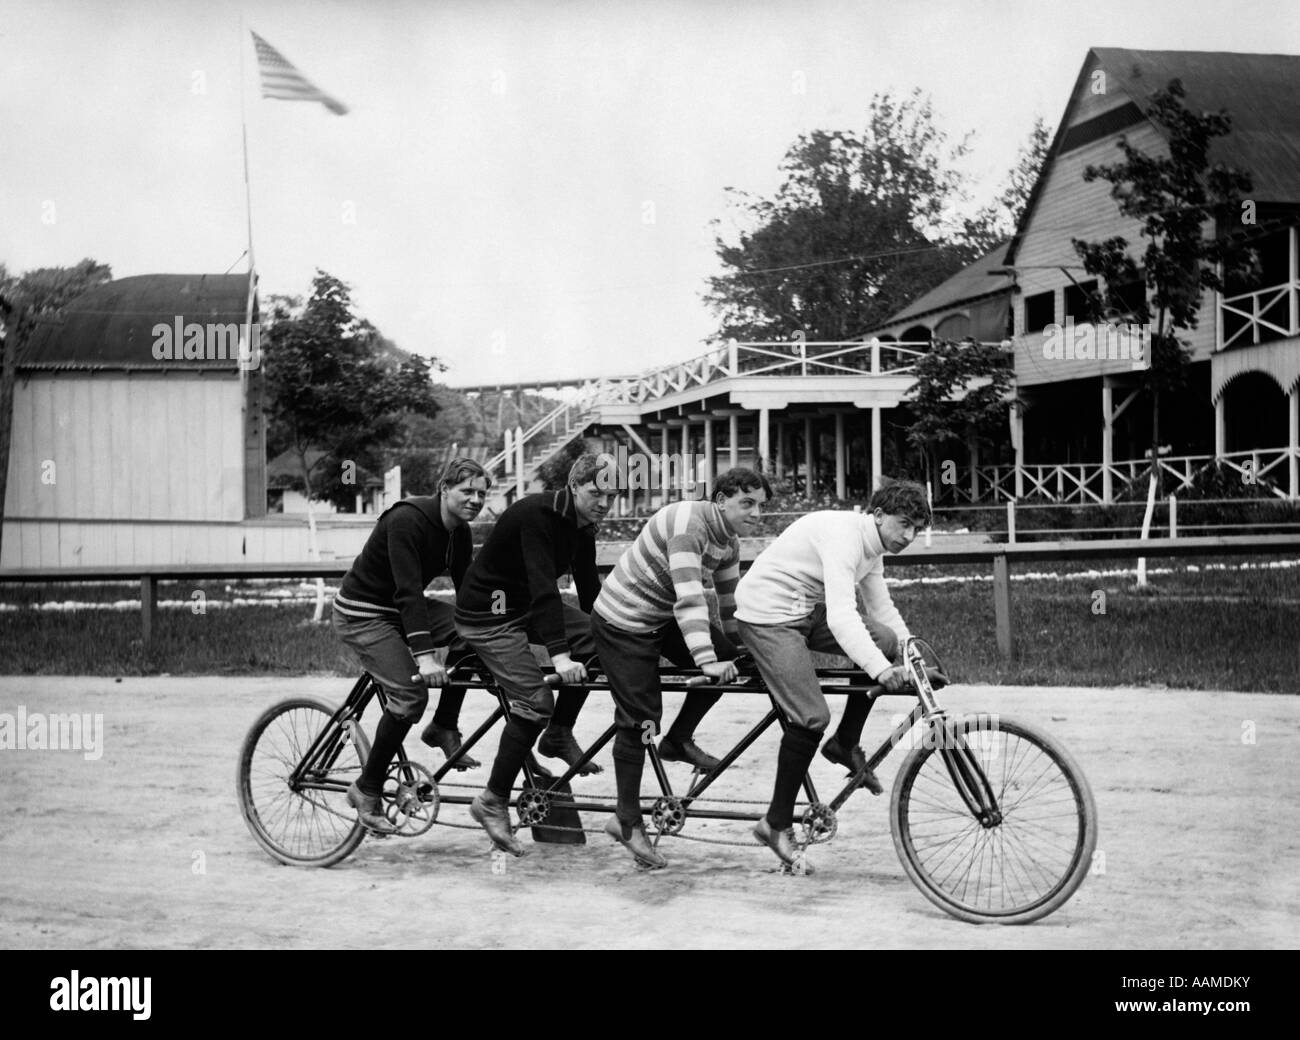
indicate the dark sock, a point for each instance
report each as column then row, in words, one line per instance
column 389, row 735
column 856, row 709
column 694, row 708
column 448, row 714
column 567, row 706
column 629, row 763
column 516, row 742
column 798, row 745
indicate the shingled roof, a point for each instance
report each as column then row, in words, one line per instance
column 972, row 282
column 1260, row 92
column 111, row 326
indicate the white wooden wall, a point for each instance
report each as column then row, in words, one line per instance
column 59, row 543
column 135, row 446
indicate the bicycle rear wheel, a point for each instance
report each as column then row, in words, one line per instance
column 309, row 824
column 1032, row 852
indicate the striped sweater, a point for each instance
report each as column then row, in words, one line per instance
column 684, row 565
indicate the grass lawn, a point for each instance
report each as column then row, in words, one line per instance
column 1231, row 624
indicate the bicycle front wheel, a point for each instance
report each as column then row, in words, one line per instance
column 310, row 823
column 1033, row 846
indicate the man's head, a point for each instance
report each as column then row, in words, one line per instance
column 592, row 489
column 463, row 489
column 740, row 494
column 900, row 509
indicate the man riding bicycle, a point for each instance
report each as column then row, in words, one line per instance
column 382, row 614
column 800, row 595
column 671, row 595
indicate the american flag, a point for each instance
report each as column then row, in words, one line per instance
column 282, row 81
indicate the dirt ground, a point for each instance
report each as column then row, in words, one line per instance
column 145, row 846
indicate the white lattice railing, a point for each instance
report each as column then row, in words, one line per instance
column 1249, row 318
column 1085, row 481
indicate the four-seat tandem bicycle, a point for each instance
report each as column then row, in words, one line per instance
column 992, row 819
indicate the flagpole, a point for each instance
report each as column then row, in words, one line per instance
column 243, row 125
column 250, row 356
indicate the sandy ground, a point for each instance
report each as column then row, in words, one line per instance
column 145, row 846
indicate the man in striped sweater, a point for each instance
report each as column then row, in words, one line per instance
column 800, row 595
column 671, row 595
column 382, row 614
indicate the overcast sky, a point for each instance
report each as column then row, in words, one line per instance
column 523, row 189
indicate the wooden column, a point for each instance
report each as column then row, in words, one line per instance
column 780, row 450
column 764, row 439
column 841, row 489
column 1293, row 440
column 1107, row 441
column 148, row 608
column 877, row 449
column 709, row 459
column 1220, row 425
column 734, row 431
column 808, row 460
column 1002, row 607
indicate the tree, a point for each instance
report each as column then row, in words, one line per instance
column 37, row 297
column 1173, row 196
column 859, row 228
column 998, row 221
column 941, row 418
column 337, row 386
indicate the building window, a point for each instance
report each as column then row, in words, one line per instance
column 1081, row 303
column 1040, row 311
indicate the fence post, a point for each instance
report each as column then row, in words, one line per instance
column 148, row 607
column 1173, row 516
column 1002, row 607
column 1011, row 521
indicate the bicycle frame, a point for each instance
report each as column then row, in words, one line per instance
column 845, row 681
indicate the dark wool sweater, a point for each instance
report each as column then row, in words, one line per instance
column 536, row 541
column 408, row 548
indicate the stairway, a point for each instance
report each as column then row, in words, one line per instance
column 503, row 491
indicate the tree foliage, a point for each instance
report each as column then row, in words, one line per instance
column 861, row 225
column 942, row 416
column 1173, row 196
column 337, row 386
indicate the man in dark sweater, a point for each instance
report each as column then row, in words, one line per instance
column 509, row 599
column 382, row 614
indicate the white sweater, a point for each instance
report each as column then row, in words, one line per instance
column 823, row 558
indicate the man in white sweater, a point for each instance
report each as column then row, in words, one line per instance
column 800, row 595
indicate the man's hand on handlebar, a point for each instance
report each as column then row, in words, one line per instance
column 721, row 671
column 569, row 670
column 431, row 672
column 894, row 679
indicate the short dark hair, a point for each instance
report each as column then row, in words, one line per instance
column 462, row 469
column 739, row 479
column 902, row 498
column 585, row 468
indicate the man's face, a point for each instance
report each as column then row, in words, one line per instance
column 465, row 500
column 742, row 511
column 592, row 502
column 896, row 530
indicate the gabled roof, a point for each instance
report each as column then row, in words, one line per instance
column 112, row 326
column 1261, row 93
column 972, row 282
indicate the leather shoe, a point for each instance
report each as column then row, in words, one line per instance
column 671, row 750
column 493, row 814
column 854, row 760
column 635, row 842
column 448, row 742
column 559, row 742
column 369, row 811
column 780, row 842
